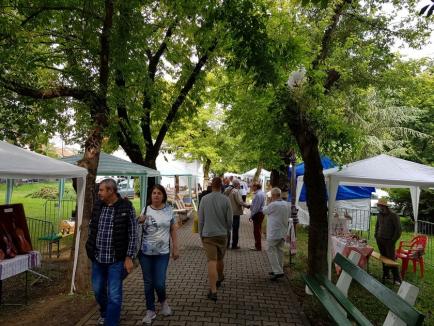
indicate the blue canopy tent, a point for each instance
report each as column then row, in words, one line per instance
column 348, row 197
column 344, row 192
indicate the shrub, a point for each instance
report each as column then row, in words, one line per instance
column 45, row 193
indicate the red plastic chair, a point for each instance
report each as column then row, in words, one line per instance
column 412, row 250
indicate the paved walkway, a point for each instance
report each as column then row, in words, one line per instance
column 247, row 296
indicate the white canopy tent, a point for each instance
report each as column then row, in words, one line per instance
column 18, row 163
column 263, row 176
column 380, row 171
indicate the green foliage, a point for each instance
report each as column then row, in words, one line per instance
column 402, row 198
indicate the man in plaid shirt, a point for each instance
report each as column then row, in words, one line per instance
column 111, row 246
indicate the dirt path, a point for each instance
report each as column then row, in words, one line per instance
column 49, row 302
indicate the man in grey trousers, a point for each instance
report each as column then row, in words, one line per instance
column 278, row 212
column 215, row 221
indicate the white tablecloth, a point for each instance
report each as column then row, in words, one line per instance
column 19, row 264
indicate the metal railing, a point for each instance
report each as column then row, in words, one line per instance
column 427, row 228
column 360, row 221
column 50, row 225
column 38, row 229
column 56, row 211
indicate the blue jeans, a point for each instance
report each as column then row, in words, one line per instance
column 107, row 286
column 154, row 268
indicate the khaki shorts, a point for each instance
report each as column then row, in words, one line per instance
column 215, row 247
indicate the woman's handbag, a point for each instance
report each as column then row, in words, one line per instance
column 140, row 227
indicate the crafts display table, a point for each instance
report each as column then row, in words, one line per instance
column 344, row 245
column 17, row 265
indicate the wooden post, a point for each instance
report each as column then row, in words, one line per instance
column 409, row 293
column 176, row 185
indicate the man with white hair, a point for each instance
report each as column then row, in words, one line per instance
column 278, row 212
column 237, row 205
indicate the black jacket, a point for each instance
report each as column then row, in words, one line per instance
column 120, row 228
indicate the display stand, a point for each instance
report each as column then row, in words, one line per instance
column 12, row 217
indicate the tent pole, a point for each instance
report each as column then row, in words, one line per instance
column 332, row 191
column 189, row 186
column 81, row 188
column 415, row 197
column 9, row 189
column 60, row 198
column 143, row 191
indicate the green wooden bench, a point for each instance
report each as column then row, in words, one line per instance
column 339, row 306
column 52, row 237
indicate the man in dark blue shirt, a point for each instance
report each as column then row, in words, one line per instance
column 111, row 247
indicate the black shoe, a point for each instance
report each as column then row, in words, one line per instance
column 276, row 276
column 219, row 282
column 212, row 296
column 271, row 273
column 237, row 247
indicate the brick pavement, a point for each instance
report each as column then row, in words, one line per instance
column 247, row 296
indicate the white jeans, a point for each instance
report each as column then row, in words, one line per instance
column 275, row 255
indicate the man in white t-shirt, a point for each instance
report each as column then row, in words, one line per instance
column 278, row 212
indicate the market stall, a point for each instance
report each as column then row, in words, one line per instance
column 19, row 163
column 382, row 171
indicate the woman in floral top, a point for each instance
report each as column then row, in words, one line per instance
column 159, row 236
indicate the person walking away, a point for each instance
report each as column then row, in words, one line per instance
column 204, row 193
column 244, row 189
column 215, row 220
column 256, row 214
column 387, row 232
column 158, row 239
column 111, row 246
column 237, row 204
column 278, row 212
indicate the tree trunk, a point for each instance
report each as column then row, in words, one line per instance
column 90, row 162
column 315, row 188
column 279, row 179
column 316, row 203
column 206, row 168
column 258, row 172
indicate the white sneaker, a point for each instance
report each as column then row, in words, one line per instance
column 100, row 321
column 150, row 316
column 165, row 309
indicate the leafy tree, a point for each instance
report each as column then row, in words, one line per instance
column 57, row 50
column 126, row 69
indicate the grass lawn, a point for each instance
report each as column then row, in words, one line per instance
column 372, row 308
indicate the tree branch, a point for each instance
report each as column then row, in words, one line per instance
column 182, row 95
column 105, row 48
column 45, row 94
column 326, row 39
column 153, row 61
column 42, row 9
column 145, row 122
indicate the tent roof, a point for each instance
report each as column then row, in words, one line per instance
column 112, row 165
column 326, row 162
column 384, row 170
column 175, row 168
column 251, row 173
column 17, row 163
